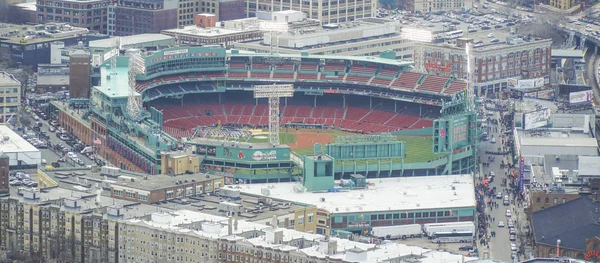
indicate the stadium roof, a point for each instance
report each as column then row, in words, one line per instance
column 129, row 40
column 392, row 194
column 392, row 62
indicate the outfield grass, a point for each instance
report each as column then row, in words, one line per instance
column 418, row 148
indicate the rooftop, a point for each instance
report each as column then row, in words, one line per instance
column 129, row 40
column 161, row 181
column 8, row 80
column 53, row 80
column 115, row 85
column 16, row 34
column 217, row 227
column 589, row 166
column 392, row 62
column 571, row 222
column 451, row 191
column 11, row 142
column 89, row 202
column 559, row 141
column 211, row 32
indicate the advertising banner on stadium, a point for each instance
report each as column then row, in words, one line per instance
column 581, row 96
column 536, row 119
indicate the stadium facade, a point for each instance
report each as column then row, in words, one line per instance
column 188, row 91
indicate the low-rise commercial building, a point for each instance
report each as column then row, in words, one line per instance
column 355, row 210
column 362, row 37
column 22, row 154
column 30, row 45
column 226, row 34
column 494, row 63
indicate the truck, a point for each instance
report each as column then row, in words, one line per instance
column 397, row 232
column 431, row 229
column 110, row 171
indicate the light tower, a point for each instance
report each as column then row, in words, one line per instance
column 274, row 29
column 136, row 66
column 470, row 72
column 273, row 93
column 115, row 53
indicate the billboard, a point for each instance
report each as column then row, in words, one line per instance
column 526, row 83
column 536, row 119
column 453, row 132
column 581, row 96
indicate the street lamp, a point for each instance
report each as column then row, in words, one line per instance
column 558, row 248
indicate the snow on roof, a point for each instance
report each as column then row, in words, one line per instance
column 405, row 193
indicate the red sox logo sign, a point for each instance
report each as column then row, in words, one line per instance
column 442, row 132
column 241, row 155
column 592, row 255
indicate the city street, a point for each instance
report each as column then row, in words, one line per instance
column 500, row 245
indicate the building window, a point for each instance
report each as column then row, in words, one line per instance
column 547, row 200
column 117, row 193
column 170, row 195
column 539, row 200
column 564, row 200
column 142, row 197
column 300, row 220
column 130, row 195
column 555, row 200
column 310, row 218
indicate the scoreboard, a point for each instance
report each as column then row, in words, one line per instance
column 453, row 132
column 460, row 127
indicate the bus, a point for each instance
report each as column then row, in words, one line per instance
column 452, row 237
column 454, row 34
column 433, row 228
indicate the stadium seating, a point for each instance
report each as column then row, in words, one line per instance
column 389, row 72
column 237, row 65
column 433, row 84
column 332, row 67
column 455, row 87
column 283, row 76
column 378, row 81
column 407, row 80
column 370, row 70
column 357, row 79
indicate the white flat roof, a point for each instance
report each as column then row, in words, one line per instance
column 589, row 165
column 128, row 40
column 8, row 80
column 208, row 32
column 374, row 254
column 15, row 142
column 390, row 194
column 559, row 141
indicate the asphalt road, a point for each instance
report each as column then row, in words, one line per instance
column 500, row 244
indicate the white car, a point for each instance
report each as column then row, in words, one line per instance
column 500, row 224
column 508, row 213
column 493, row 140
column 513, row 247
column 490, row 35
column 510, row 224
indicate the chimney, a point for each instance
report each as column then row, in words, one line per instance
column 230, row 226
column 327, row 233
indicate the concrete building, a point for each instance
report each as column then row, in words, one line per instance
column 325, row 11
column 90, row 14
column 79, row 77
column 226, row 34
column 21, row 153
column 494, row 62
column 31, row 45
column 378, row 205
column 52, row 78
column 11, row 96
column 133, row 18
column 363, row 37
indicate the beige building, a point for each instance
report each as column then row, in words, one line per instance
column 227, row 34
column 223, row 10
column 10, row 90
column 428, row 6
column 328, row 12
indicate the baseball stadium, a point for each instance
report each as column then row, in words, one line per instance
column 373, row 116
